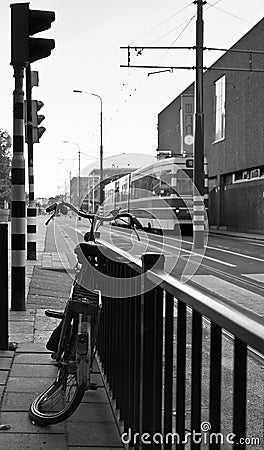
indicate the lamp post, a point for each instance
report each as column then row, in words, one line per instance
column 79, row 171
column 101, row 141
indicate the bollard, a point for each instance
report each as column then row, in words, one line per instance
column 3, row 286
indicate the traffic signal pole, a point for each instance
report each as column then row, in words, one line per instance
column 198, row 200
column 31, row 209
column 18, row 204
column 25, row 23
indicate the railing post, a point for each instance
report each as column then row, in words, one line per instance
column 4, row 286
column 151, row 352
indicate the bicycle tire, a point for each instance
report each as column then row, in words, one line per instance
column 59, row 401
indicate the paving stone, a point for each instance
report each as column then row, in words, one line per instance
column 17, row 401
column 46, row 323
column 31, row 348
column 25, row 441
column 5, row 363
column 92, row 412
column 25, row 384
column 21, row 337
column 24, row 326
column 20, row 423
column 56, row 292
column 6, row 353
column 21, row 315
column 3, row 376
column 33, row 358
column 97, row 379
column 31, row 370
column 98, row 396
column 1, row 392
column 99, row 434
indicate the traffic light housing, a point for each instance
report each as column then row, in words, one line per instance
column 37, row 131
column 25, row 23
column 37, row 119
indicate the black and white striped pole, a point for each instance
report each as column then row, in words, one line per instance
column 24, row 50
column 31, row 80
column 198, row 199
column 18, row 203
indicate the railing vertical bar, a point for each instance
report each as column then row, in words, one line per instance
column 240, row 392
column 196, row 375
column 158, row 357
column 181, row 372
column 215, row 382
column 168, row 366
column 115, row 352
column 151, row 394
column 136, row 361
column 119, row 363
column 127, row 350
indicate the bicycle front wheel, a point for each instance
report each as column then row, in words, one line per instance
column 62, row 398
column 58, row 401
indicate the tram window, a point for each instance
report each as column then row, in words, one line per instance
column 261, row 172
column 124, row 192
column 166, row 176
column 254, row 173
column 165, row 187
column 238, row 176
column 155, row 188
column 184, row 185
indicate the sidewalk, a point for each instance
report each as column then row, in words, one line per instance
column 224, row 232
column 29, row 369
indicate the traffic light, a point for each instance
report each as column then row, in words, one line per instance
column 25, row 23
column 37, row 131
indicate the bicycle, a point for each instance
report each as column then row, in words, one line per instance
column 74, row 340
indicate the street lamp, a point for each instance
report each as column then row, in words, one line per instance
column 79, row 171
column 101, row 141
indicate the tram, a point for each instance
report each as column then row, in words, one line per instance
column 159, row 195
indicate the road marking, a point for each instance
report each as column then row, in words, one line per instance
column 235, row 294
column 164, row 245
column 207, row 257
column 255, row 243
column 223, row 250
column 254, row 276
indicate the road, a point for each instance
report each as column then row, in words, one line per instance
column 231, row 268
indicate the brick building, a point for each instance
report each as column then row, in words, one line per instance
column 234, row 134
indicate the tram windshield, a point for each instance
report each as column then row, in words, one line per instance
column 183, row 182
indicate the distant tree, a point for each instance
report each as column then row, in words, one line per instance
column 5, row 167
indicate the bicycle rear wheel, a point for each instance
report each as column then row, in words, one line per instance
column 62, row 398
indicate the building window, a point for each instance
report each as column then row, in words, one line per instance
column 220, row 108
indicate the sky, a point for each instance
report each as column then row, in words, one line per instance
column 88, row 36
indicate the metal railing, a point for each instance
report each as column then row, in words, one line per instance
column 150, row 343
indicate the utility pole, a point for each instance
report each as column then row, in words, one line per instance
column 198, row 203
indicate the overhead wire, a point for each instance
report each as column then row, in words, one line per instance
column 161, row 23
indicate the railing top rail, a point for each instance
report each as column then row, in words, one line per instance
column 236, row 322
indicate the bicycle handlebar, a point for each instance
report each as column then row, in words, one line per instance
column 115, row 214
